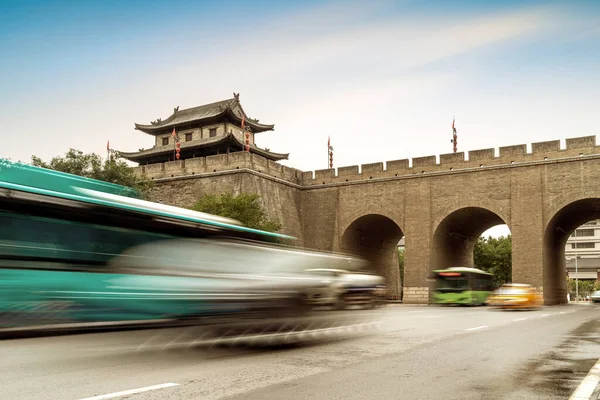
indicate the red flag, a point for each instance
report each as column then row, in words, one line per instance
column 108, row 145
column 242, row 121
column 453, row 128
column 328, row 142
column 174, row 134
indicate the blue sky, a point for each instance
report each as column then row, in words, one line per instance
column 383, row 79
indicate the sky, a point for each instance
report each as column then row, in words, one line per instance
column 383, row 79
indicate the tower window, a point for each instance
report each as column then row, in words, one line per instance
column 165, row 141
column 188, row 137
column 212, row 132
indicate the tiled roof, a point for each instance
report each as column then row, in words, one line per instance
column 231, row 107
column 167, row 150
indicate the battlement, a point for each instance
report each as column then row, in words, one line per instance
column 507, row 155
column 219, row 163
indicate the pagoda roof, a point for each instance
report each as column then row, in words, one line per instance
column 139, row 156
column 230, row 107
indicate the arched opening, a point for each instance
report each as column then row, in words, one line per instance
column 375, row 238
column 456, row 236
column 558, row 231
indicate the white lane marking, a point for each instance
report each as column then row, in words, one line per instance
column 432, row 316
column 544, row 315
column 519, row 319
column 586, row 388
column 477, row 327
column 132, row 391
column 562, row 312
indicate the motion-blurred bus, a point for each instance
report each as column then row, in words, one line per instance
column 80, row 252
column 461, row 285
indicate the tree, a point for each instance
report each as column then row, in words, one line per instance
column 585, row 287
column 244, row 207
column 494, row 255
column 113, row 170
column 401, row 265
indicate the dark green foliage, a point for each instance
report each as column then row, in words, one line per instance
column 113, row 170
column 244, row 207
column 494, row 255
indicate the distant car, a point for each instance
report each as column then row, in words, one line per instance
column 514, row 295
column 595, row 297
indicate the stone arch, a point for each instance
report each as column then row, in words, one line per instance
column 561, row 224
column 493, row 206
column 455, row 235
column 375, row 237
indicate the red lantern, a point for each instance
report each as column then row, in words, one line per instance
column 247, row 141
column 177, row 156
column 177, row 144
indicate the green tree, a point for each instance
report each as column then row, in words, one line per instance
column 586, row 287
column 494, row 255
column 244, row 207
column 113, row 170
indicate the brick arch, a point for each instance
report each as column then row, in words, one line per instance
column 454, row 236
column 374, row 237
column 444, row 211
column 348, row 219
column 564, row 200
column 563, row 218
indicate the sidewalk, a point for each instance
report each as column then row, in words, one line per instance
column 589, row 388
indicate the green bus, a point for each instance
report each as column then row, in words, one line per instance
column 60, row 235
column 461, row 285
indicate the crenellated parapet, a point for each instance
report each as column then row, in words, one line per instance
column 219, row 163
column 507, row 155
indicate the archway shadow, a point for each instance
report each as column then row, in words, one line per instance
column 557, row 232
column 375, row 238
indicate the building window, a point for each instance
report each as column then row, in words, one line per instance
column 582, row 245
column 584, row 232
column 165, row 141
column 212, row 132
column 188, row 137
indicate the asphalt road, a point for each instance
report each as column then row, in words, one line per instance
column 418, row 353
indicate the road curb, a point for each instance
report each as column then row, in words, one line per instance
column 588, row 388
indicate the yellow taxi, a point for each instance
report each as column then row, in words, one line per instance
column 515, row 295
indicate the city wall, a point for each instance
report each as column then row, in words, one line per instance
column 523, row 188
column 220, row 163
column 507, row 155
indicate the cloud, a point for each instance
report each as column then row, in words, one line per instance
column 356, row 72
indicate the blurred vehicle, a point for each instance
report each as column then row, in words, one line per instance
column 345, row 288
column 83, row 252
column 461, row 285
column 595, row 297
column 515, row 295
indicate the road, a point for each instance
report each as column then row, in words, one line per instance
column 418, row 353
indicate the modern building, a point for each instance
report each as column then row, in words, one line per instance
column 582, row 252
column 211, row 129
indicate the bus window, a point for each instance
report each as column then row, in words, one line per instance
column 27, row 236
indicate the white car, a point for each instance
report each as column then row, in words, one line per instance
column 341, row 288
column 595, row 297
